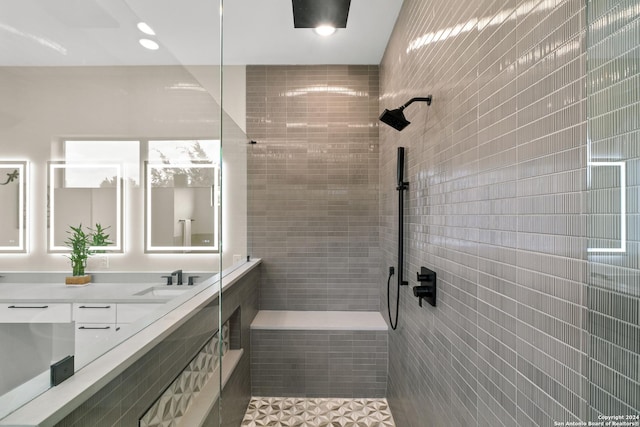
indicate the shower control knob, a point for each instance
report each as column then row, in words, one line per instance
column 428, row 291
column 426, row 275
column 425, row 292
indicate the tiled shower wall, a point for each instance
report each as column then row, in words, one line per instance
column 313, row 185
column 299, row 363
column 613, row 106
column 497, row 172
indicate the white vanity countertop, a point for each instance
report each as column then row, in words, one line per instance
column 51, row 406
column 93, row 292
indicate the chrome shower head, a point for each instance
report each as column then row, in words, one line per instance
column 395, row 118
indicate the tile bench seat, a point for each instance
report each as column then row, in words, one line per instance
column 319, row 354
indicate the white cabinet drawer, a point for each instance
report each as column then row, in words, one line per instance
column 92, row 340
column 95, row 330
column 94, row 313
column 129, row 313
column 35, row 312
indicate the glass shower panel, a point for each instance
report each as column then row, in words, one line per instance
column 74, row 76
column 235, row 249
column 234, row 173
column 613, row 203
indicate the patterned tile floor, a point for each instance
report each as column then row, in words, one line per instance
column 317, row 412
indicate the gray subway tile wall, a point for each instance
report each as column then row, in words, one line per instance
column 313, row 185
column 496, row 206
column 349, row 364
column 530, row 328
column 613, row 77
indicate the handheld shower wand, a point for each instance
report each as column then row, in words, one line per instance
column 401, row 187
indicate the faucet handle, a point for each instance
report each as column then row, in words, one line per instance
column 192, row 280
column 169, row 280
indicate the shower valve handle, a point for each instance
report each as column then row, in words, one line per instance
column 427, row 291
column 426, row 275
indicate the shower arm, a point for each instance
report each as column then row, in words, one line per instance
column 412, row 100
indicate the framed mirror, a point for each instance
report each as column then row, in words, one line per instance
column 13, row 209
column 181, row 207
column 85, row 194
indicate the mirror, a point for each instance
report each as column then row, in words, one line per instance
column 13, row 209
column 86, row 194
column 182, row 205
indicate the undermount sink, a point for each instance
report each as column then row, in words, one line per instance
column 162, row 291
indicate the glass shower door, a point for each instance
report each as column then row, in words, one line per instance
column 75, row 76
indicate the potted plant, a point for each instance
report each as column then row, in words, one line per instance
column 80, row 243
column 99, row 237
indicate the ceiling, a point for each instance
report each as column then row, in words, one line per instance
column 104, row 32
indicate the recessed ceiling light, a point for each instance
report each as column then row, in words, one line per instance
column 149, row 44
column 145, row 28
column 324, row 30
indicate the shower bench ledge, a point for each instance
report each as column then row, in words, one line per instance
column 319, row 320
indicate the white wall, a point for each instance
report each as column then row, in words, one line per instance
column 40, row 106
column 234, row 80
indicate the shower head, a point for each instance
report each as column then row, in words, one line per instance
column 395, row 118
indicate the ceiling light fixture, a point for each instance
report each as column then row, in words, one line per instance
column 149, row 44
column 145, row 28
column 324, row 30
column 313, row 13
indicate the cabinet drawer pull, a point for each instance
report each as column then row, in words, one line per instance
column 95, row 306
column 28, row 306
column 94, row 327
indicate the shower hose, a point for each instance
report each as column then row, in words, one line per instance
column 394, row 325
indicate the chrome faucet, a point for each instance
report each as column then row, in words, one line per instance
column 179, row 274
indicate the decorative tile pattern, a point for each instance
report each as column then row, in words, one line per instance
column 174, row 402
column 293, row 412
